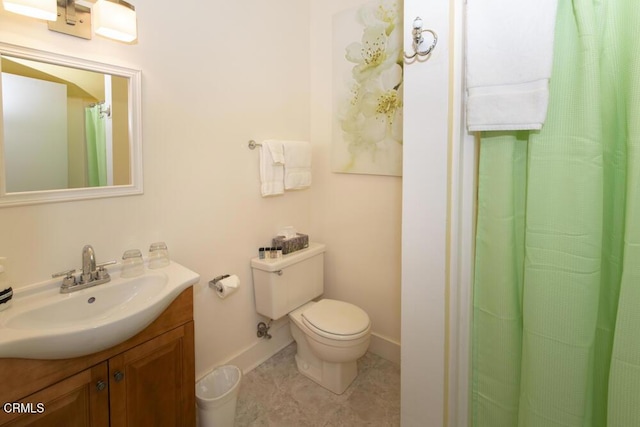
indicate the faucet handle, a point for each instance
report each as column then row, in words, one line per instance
column 66, row 273
column 101, row 271
column 104, row 264
column 69, row 280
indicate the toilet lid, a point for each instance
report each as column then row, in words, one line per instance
column 336, row 317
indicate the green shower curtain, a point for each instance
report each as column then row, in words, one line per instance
column 96, row 141
column 556, row 334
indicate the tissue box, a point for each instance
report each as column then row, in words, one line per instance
column 292, row 244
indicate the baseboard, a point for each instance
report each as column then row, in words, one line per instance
column 263, row 349
column 385, row 348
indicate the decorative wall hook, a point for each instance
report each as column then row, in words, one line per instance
column 418, row 40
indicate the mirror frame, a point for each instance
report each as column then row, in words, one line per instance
column 135, row 133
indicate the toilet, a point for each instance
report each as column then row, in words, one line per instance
column 331, row 335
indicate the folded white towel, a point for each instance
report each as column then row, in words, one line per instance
column 277, row 151
column 509, row 61
column 271, row 173
column 297, row 165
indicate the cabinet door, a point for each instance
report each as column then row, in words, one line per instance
column 153, row 384
column 78, row 401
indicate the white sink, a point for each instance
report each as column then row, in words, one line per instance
column 42, row 323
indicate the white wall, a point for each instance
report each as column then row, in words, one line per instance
column 216, row 74
column 438, row 225
column 359, row 215
column 424, row 222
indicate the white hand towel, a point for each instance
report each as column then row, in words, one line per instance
column 297, row 165
column 509, row 61
column 277, row 151
column 271, row 173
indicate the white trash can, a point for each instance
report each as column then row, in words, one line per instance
column 217, row 395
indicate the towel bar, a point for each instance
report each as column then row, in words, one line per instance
column 253, row 145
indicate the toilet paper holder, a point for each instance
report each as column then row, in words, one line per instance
column 215, row 282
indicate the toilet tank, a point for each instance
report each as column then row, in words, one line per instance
column 282, row 285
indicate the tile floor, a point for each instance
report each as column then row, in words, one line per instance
column 276, row 395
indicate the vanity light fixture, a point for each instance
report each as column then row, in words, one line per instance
column 115, row 19
column 34, row 8
column 73, row 19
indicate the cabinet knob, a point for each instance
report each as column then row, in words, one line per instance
column 118, row 376
column 101, row 385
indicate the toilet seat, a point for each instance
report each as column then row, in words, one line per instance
column 336, row 320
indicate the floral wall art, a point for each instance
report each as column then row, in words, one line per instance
column 367, row 89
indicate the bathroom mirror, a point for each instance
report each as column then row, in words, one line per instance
column 70, row 128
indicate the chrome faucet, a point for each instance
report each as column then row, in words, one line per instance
column 92, row 274
column 88, row 263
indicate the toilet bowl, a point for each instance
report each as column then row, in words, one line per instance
column 331, row 336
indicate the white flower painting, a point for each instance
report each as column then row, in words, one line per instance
column 367, row 89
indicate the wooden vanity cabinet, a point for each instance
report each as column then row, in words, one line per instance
column 148, row 385
column 149, row 380
column 75, row 401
